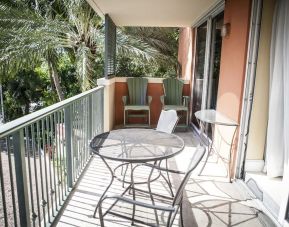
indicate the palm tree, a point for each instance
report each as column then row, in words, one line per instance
column 28, row 37
column 162, row 61
column 36, row 31
column 31, row 34
column 33, row 31
column 163, row 40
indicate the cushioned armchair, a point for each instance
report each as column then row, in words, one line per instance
column 137, row 99
column 173, row 98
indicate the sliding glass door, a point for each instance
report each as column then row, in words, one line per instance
column 215, row 60
column 207, row 64
column 201, row 40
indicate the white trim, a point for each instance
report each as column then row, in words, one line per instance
column 254, row 165
column 105, row 82
column 96, row 8
column 213, row 11
column 151, row 80
column 248, row 91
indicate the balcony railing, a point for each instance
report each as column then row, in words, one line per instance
column 43, row 154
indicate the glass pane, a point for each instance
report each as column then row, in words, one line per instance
column 199, row 73
column 214, row 70
column 215, row 59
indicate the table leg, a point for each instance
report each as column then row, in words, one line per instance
column 168, row 179
column 230, row 154
column 150, row 192
column 209, row 145
column 105, row 191
column 133, row 191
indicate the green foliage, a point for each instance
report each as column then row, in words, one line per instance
column 155, row 55
column 68, row 77
column 30, row 32
column 68, row 36
column 23, row 94
column 30, row 90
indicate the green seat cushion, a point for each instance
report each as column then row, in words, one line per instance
column 176, row 107
column 136, row 107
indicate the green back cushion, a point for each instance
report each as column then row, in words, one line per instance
column 173, row 90
column 137, row 90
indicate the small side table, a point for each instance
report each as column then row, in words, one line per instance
column 213, row 118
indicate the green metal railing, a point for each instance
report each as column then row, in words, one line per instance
column 43, row 154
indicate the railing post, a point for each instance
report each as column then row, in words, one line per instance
column 102, row 110
column 90, row 112
column 68, row 145
column 21, row 178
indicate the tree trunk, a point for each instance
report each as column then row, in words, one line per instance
column 54, row 74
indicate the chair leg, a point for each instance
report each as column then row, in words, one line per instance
column 124, row 118
column 181, row 214
column 187, row 119
column 149, row 118
column 100, row 215
column 169, row 179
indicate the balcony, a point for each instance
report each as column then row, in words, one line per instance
column 48, row 175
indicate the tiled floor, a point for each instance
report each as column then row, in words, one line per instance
column 209, row 200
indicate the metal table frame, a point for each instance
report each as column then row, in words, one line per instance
column 213, row 118
column 135, row 163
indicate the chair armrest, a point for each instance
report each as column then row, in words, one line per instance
column 186, row 100
column 142, row 204
column 124, row 100
column 150, row 98
column 162, row 97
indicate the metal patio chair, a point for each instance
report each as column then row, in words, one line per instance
column 175, row 203
column 173, row 98
column 137, row 99
column 167, row 121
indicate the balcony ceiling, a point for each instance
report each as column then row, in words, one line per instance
column 153, row 13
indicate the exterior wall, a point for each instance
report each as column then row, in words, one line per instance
column 233, row 59
column 233, row 64
column 185, row 52
column 259, row 116
column 155, row 89
column 109, row 94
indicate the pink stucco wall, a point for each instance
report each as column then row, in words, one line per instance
column 233, row 58
column 185, row 52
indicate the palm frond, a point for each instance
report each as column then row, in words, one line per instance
column 85, row 67
column 132, row 47
column 26, row 36
column 163, row 40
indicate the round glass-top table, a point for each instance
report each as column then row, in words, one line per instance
column 136, row 145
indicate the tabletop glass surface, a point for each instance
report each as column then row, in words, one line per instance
column 214, row 117
column 136, row 145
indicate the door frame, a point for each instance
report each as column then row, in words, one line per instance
column 208, row 17
column 249, row 86
column 248, row 95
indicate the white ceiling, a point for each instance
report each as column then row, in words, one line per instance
column 153, row 13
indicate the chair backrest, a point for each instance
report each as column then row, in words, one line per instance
column 173, row 90
column 137, row 90
column 167, row 121
column 197, row 157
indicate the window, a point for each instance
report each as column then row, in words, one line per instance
column 207, row 65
